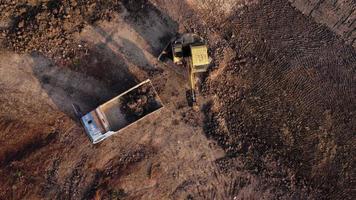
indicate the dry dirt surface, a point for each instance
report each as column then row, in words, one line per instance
column 338, row 15
column 277, row 107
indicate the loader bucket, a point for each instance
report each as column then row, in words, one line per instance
column 122, row 111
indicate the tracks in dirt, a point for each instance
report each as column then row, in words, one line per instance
column 339, row 16
column 120, row 55
column 272, row 91
column 27, row 149
column 295, row 72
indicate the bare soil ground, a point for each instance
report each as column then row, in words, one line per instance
column 277, row 118
column 338, row 15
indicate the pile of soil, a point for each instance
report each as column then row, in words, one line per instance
column 49, row 26
column 139, row 102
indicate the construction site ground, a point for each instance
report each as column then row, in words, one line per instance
column 277, row 107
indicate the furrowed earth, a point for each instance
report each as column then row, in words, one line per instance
column 276, row 117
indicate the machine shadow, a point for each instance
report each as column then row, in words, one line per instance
column 127, row 49
column 104, row 72
column 154, row 26
column 88, row 82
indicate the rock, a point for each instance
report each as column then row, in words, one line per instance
column 21, row 24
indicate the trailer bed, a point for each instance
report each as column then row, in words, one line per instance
column 121, row 111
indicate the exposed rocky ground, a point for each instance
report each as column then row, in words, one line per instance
column 277, row 118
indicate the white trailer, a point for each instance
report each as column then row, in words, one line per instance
column 120, row 112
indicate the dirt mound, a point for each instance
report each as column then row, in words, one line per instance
column 139, row 103
column 49, row 26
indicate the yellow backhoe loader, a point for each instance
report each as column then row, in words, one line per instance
column 187, row 54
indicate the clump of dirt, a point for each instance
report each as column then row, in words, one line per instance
column 139, row 102
column 49, row 26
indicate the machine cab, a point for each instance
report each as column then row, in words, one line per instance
column 177, row 50
column 199, row 57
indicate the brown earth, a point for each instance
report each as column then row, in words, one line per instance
column 277, row 118
column 338, row 15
